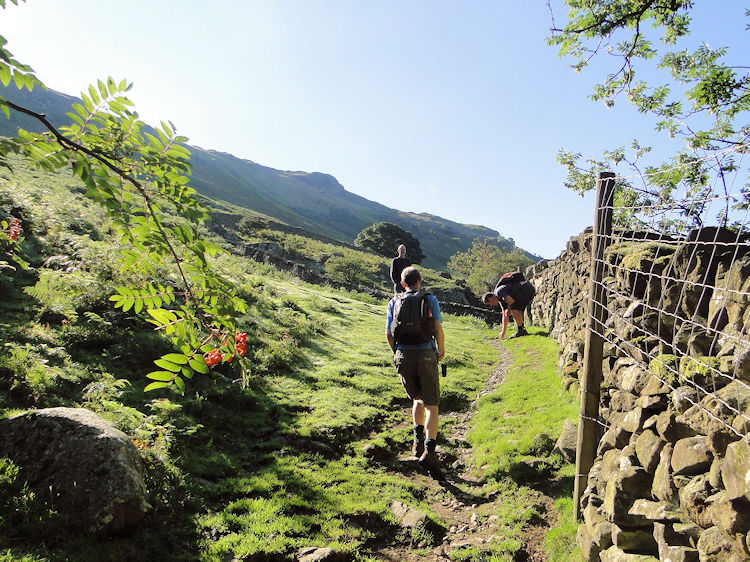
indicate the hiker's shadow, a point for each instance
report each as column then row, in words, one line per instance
column 449, row 485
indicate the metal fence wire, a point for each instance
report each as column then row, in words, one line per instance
column 670, row 291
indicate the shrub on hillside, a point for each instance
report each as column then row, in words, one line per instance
column 349, row 269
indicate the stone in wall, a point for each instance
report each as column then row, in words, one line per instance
column 731, row 516
column 668, row 455
column 691, row 456
column 671, row 429
column 715, row 546
column 648, row 447
column 662, row 487
column 735, row 470
column 627, row 484
column 729, row 302
column 694, row 500
column 719, row 410
column 672, row 545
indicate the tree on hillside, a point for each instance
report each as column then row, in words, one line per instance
column 703, row 101
column 384, row 238
column 484, row 263
column 133, row 173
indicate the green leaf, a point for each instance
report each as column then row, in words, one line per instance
column 176, row 358
column 199, row 366
column 168, row 365
column 180, row 384
column 4, row 74
column 154, row 141
column 103, row 89
column 94, row 95
column 160, row 375
column 155, row 385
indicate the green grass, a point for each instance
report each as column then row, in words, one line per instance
column 530, row 401
column 267, row 464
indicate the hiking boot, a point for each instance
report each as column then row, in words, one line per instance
column 417, row 449
column 520, row 332
column 432, row 464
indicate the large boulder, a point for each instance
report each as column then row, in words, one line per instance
column 88, row 469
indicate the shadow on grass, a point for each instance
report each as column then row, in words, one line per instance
column 454, row 402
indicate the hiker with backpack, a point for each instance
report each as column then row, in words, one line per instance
column 513, row 293
column 415, row 334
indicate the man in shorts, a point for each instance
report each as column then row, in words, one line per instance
column 417, row 365
column 513, row 298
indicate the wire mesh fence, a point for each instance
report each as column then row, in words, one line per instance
column 670, row 292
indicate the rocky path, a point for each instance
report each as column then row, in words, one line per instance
column 462, row 501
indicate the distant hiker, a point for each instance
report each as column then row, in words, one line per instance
column 513, row 293
column 414, row 331
column 398, row 264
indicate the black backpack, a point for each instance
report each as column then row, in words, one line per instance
column 412, row 323
column 508, row 278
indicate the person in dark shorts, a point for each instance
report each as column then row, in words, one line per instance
column 398, row 264
column 417, row 365
column 513, row 298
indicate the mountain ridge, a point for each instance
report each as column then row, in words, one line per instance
column 313, row 201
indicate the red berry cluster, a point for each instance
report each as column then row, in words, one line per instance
column 15, row 228
column 214, row 357
column 240, row 344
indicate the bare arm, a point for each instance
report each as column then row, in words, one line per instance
column 506, row 314
column 440, row 339
column 391, row 341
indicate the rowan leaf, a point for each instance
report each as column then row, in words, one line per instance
column 168, row 365
column 160, row 375
column 155, row 385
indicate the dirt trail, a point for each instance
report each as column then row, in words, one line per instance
column 462, row 502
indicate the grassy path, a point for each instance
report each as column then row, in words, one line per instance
column 501, row 495
column 467, row 503
column 322, row 463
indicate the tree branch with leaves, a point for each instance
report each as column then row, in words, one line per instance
column 703, row 102
column 140, row 177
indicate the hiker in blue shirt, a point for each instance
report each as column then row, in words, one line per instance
column 513, row 293
column 416, row 353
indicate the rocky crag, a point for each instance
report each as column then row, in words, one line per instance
column 670, row 478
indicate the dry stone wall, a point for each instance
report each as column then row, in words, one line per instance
column 671, row 479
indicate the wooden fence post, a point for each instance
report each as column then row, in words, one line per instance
column 593, row 352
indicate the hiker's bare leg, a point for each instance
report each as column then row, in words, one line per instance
column 417, row 412
column 517, row 317
column 431, row 422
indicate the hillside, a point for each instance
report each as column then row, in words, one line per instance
column 306, row 451
column 314, row 201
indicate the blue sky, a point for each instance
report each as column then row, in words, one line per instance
column 455, row 109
